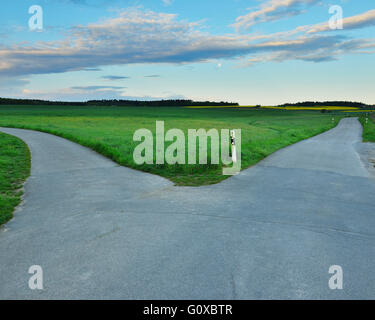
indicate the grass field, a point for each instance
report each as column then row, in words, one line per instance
column 109, row 131
column 14, row 169
column 368, row 128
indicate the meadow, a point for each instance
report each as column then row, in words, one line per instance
column 109, row 131
column 368, row 128
column 14, row 169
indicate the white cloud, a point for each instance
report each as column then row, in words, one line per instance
column 272, row 10
column 136, row 36
column 97, row 88
column 167, row 2
column 362, row 20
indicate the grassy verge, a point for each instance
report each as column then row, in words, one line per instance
column 14, row 169
column 368, row 128
column 109, row 131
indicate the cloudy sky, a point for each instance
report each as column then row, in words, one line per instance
column 248, row 51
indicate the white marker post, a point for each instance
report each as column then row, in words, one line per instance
column 233, row 145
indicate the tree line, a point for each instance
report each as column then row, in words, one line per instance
column 171, row 103
column 125, row 103
column 327, row 104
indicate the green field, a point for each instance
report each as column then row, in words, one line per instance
column 14, row 169
column 368, row 128
column 109, row 131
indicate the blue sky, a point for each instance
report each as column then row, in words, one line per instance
column 252, row 52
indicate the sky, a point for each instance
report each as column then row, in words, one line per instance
column 247, row 51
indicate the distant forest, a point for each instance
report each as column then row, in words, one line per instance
column 122, row 103
column 170, row 103
column 328, row 104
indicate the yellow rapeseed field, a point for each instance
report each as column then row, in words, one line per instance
column 214, row 107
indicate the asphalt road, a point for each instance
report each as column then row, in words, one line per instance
column 101, row 231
